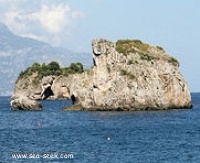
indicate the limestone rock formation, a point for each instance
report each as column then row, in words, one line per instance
column 20, row 102
column 126, row 75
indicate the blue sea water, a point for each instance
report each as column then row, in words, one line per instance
column 100, row 137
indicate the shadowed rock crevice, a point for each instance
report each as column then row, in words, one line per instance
column 47, row 93
column 73, row 98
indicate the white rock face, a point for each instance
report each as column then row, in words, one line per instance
column 137, row 80
column 20, row 102
column 127, row 75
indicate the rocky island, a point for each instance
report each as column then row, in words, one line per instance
column 127, row 75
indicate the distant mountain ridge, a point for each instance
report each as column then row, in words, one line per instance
column 17, row 53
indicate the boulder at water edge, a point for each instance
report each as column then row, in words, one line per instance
column 19, row 102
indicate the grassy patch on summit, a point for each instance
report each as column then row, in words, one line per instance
column 127, row 46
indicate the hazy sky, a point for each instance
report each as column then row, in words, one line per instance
column 172, row 24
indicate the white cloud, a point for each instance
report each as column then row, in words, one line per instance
column 54, row 18
column 43, row 20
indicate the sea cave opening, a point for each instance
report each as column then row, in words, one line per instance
column 73, row 99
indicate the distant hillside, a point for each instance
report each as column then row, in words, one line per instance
column 17, row 53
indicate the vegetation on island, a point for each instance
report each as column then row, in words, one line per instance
column 127, row 46
column 135, row 46
column 143, row 50
column 53, row 68
column 130, row 62
column 124, row 72
column 160, row 48
column 174, row 61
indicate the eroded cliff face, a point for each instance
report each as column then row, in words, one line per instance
column 127, row 75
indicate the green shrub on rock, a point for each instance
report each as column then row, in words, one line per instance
column 173, row 61
column 53, row 68
column 160, row 48
column 124, row 72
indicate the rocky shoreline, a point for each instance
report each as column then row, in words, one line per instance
column 127, row 75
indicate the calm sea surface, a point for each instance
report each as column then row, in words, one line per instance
column 53, row 135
